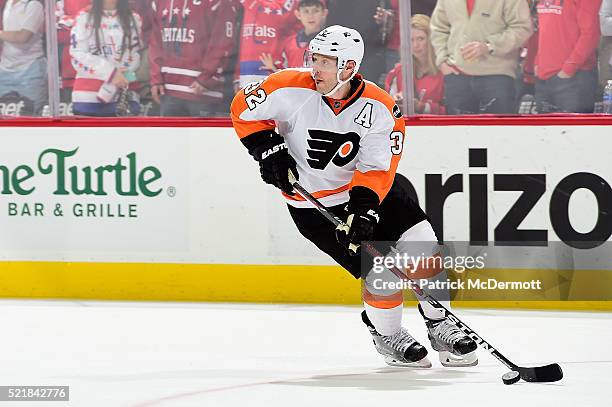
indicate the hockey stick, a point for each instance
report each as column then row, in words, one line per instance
column 548, row 373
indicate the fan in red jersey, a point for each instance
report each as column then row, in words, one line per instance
column 312, row 15
column 66, row 12
column 190, row 51
column 568, row 36
column 265, row 25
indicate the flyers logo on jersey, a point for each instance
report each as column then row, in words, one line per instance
column 326, row 146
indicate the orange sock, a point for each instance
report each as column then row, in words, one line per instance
column 385, row 312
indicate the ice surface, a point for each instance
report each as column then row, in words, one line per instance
column 169, row 355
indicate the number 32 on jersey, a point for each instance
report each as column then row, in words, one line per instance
column 257, row 98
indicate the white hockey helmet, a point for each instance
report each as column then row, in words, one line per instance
column 344, row 43
column 340, row 42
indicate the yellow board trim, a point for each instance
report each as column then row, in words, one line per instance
column 226, row 283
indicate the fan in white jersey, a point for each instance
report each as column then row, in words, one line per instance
column 343, row 138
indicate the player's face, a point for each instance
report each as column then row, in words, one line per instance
column 324, row 71
column 311, row 17
column 419, row 44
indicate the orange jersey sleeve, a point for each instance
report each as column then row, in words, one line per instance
column 382, row 148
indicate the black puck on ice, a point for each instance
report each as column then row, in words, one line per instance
column 511, row 377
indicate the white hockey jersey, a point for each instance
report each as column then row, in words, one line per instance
column 337, row 144
column 96, row 66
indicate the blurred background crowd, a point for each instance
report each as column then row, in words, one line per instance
column 188, row 57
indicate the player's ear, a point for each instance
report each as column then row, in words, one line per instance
column 296, row 12
column 350, row 65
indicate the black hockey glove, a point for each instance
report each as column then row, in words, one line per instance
column 270, row 151
column 361, row 221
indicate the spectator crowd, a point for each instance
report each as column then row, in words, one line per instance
column 188, row 57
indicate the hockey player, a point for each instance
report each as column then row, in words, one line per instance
column 343, row 137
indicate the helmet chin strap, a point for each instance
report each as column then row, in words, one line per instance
column 340, row 82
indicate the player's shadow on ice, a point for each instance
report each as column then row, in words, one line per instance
column 385, row 379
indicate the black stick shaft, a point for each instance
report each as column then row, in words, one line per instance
column 320, row 207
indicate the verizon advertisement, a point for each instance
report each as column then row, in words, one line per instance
column 514, row 184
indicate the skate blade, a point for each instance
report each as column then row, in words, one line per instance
column 424, row 363
column 451, row 360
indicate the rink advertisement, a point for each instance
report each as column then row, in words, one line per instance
column 69, row 193
column 69, row 179
column 146, row 205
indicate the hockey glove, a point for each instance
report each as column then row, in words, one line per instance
column 270, row 151
column 361, row 221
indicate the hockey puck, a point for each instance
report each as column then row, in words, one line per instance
column 511, row 377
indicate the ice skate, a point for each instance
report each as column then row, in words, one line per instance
column 399, row 349
column 454, row 347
